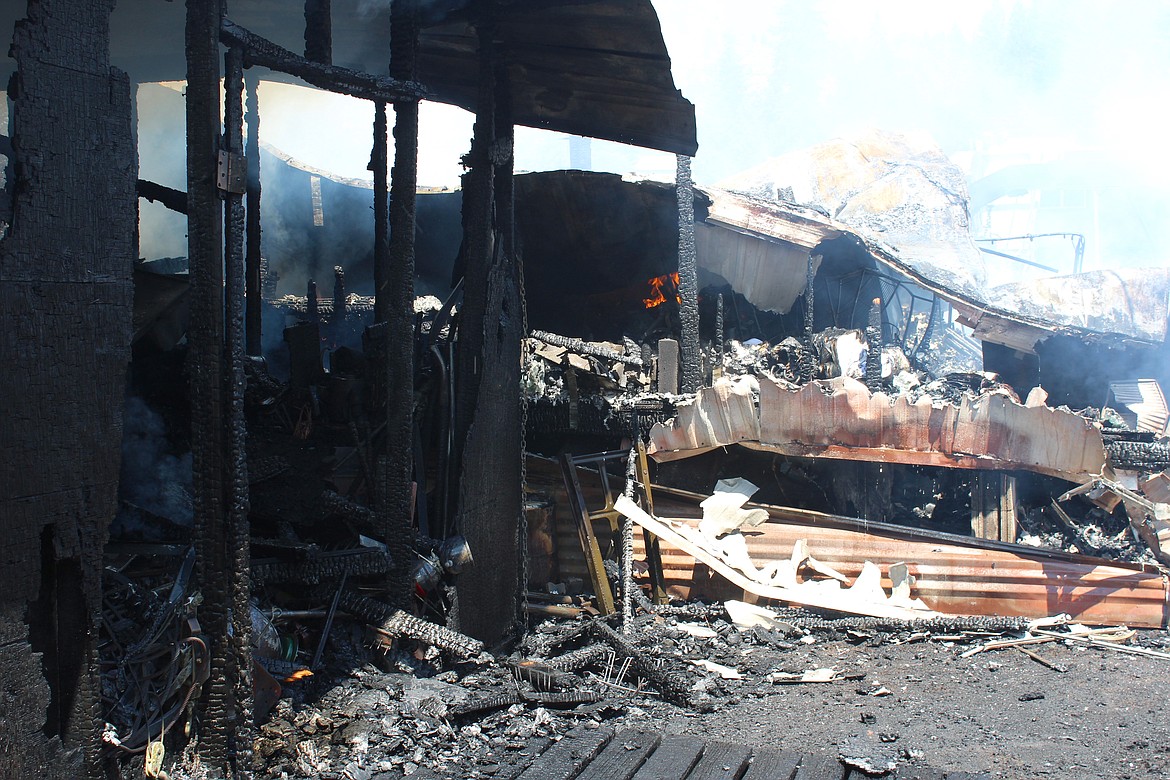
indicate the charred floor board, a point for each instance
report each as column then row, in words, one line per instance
column 635, row 755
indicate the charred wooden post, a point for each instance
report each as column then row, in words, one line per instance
column 65, row 327
column 239, row 664
column 395, row 299
column 253, row 262
column 718, row 372
column 808, row 360
column 319, row 31
column 873, row 355
column 338, row 298
column 688, row 279
column 488, row 371
column 206, row 360
column 311, row 308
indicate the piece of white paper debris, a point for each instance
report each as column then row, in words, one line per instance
column 726, row 672
column 698, row 630
column 744, row 616
column 821, row 675
column 723, row 511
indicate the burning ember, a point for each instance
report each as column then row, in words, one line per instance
column 657, row 286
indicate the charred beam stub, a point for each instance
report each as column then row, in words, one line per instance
column 395, row 623
column 673, row 687
column 175, row 200
column 541, row 676
column 325, row 566
column 587, row 348
column 484, row 704
column 259, row 51
column 578, row 659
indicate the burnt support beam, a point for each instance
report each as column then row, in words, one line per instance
column 688, row 280
column 252, row 261
column 236, row 463
column 395, row 297
column 346, row 81
column 319, row 31
column 206, row 368
column 487, row 427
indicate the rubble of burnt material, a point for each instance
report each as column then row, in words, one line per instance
column 495, row 716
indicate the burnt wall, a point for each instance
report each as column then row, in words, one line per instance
column 65, row 277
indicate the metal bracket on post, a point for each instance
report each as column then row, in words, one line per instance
column 231, row 173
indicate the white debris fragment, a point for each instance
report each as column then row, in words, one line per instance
column 725, row 672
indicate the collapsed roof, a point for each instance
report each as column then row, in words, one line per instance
column 908, row 205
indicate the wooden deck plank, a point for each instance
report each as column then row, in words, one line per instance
column 672, row 760
column 817, row 766
column 721, row 761
column 622, row 757
column 772, row 765
column 912, row 773
column 564, row 760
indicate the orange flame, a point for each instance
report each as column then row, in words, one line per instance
column 657, row 296
column 299, row 674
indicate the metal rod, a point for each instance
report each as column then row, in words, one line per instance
column 328, row 624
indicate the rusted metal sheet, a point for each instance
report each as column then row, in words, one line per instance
column 840, row 418
column 954, row 575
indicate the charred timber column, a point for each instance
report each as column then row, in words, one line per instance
column 239, row 662
column 205, row 361
column 254, row 294
column 396, row 298
column 65, row 327
column 488, row 366
column 688, row 279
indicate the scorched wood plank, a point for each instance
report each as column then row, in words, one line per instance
column 672, row 760
column 564, row 760
column 772, row 765
column 721, row 761
column 622, row 757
